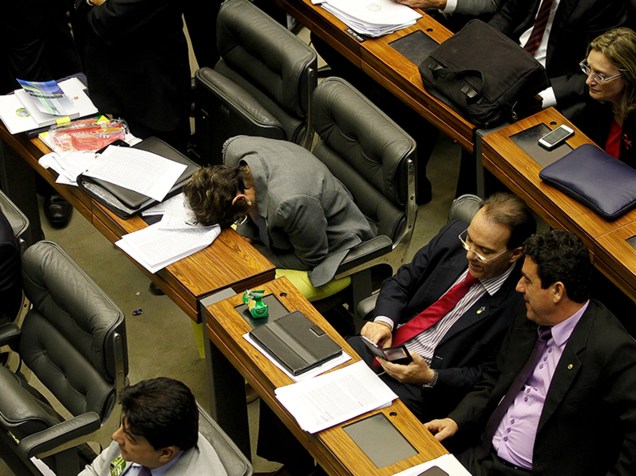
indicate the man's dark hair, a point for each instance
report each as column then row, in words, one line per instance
column 509, row 210
column 163, row 411
column 562, row 256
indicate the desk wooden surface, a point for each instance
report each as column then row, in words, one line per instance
column 520, row 173
column 333, row 448
column 230, row 261
column 389, row 68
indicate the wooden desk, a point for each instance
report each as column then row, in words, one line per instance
column 334, row 450
column 229, row 262
column 377, row 58
column 520, row 173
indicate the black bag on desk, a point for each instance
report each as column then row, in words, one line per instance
column 124, row 202
column 482, row 74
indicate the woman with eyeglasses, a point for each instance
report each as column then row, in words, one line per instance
column 609, row 117
column 285, row 200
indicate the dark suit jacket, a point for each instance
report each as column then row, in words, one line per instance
column 595, row 122
column 136, row 60
column 588, row 424
column 474, row 339
column 576, row 23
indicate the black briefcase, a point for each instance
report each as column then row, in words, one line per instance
column 483, row 74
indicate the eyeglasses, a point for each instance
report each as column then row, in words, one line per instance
column 481, row 258
column 597, row 77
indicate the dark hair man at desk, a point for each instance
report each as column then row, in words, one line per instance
column 557, row 33
column 448, row 356
column 158, row 435
column 561, row 399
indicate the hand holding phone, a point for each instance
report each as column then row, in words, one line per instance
column 555, row 137
column 396, row 355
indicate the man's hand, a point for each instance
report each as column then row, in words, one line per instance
column 442, row 429
column 424, row 4
column 378, row 332
column 416, row 372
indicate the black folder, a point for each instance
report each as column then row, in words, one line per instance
column 125, row 202
column 296, row 342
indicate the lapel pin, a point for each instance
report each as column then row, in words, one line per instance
column 570, row 366
column 480, row 310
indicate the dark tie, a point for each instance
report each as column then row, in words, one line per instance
column 144, row 471
column 536, row 35
column 517, row 385
column 432, row 314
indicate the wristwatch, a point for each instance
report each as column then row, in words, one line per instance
column 433, row 381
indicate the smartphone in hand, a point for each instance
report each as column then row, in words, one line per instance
column 397, row 355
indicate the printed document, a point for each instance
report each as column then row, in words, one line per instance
column 372, row 17
column 335, row 397
column 138, row 170
column 447, row 463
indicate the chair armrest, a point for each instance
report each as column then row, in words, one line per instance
column 9, row 334
column 366, row 306
column 52, row 438
column 364, row 252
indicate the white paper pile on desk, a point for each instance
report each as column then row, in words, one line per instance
column 335, row 397
column 22, row 111
column 169, row 240
column 372, row 17
column 447, row 463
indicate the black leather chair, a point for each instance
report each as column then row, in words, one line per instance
column 73, row 340
column 261, row 86
column 13, row 225
column 463, row 208
column 375, row 159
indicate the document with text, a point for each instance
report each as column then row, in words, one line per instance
column 335, row 397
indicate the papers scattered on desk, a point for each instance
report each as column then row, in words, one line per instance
column 19, row 112
column 330, row 399
column 68, row 166
column 448, row 463
column 138, row 170
column 155, row 248
column 372, row 17
column 330, row 364
column 169, row 240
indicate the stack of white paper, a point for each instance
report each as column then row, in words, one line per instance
column 372, row 17
column 155, row 247
column 330, row 399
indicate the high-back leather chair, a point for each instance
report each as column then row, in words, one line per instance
column 261, row 86
column 463, row 208
column 13, row 224
column 73, row 340
column 375, row 159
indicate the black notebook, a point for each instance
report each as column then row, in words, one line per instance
column 296, row 342
column 125, row 202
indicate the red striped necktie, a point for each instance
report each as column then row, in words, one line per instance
column 432, row 314
column 539, row 27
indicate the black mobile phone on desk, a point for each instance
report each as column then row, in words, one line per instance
column 397, row 355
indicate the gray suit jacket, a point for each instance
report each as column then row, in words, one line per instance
column 201, row 460
column 308, row 220
column 477, row 7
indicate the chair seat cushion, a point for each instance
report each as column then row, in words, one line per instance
column 21, row 412
column 300, row 279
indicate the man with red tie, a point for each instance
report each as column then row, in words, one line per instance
column 451, row 306
column 557, row 33
column 561, row 398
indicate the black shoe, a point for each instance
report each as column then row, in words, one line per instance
column 154, row 289
column 57, row 211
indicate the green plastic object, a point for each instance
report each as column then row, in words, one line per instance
column 255, row 304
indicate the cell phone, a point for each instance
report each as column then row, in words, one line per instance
column 397, row 355
column 555, row 137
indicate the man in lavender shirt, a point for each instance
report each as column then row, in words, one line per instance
column 576, row 412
